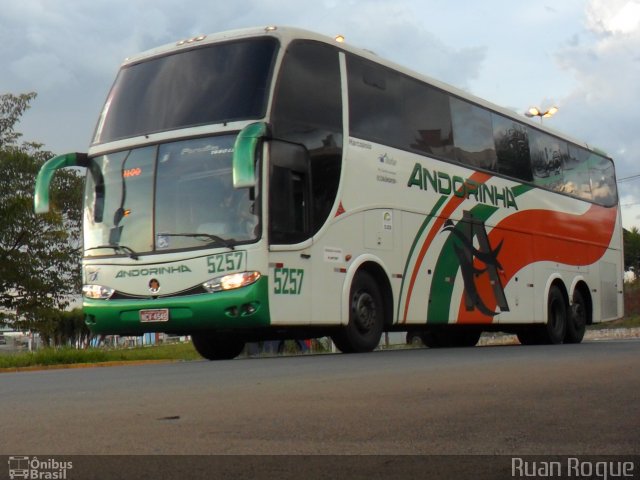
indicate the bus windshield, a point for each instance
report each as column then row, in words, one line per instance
column 206, row 85
column 167, row 197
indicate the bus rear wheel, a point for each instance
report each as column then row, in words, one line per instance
column 553, row 332
column 216, row 346
column 556, row 326
column 577, row 321
column 366, row 317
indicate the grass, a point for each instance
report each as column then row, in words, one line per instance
column 71, row 356
column 626, row 322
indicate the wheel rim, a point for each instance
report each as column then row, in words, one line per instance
column 364, row 311
column 579, row 314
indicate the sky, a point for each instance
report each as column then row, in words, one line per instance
column 582, row 56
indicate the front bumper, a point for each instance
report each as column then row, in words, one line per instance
column 242, row 308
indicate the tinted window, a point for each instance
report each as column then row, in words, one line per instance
column 390, row 108
column 308, row 111
column 473, row 135
column 427, row 119
column 512, row 148
column 375, row 103
column 210, row 84
column 547, row 156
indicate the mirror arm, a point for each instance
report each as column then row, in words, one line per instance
column 45, row 175
column 244, row 154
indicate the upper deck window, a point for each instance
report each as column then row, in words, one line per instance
column 210, row 84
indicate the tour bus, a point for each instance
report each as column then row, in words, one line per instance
column 272, row 183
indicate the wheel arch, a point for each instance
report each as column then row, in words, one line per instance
column 374, row 267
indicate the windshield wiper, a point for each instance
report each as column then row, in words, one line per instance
column 118, row 248
column 230, row 243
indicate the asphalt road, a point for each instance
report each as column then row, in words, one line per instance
column 512, row 400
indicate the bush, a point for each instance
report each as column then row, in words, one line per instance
column 632, row 299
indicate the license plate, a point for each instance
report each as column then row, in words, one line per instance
column 156, row 315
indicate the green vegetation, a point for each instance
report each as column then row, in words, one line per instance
column 39, row 254
column 626, row 322
column 631, row 240
column 72, row 356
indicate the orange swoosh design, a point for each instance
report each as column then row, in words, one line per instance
column 543, row 235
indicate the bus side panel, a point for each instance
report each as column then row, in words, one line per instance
column 342, row 240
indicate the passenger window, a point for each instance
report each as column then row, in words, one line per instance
column 512, row 148
column 375, row 109
column 576, row 173
column 547, row 156
column 603, row 181
column 393, row 109
column 473, row 135
column 427, row 119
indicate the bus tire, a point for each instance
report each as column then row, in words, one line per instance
column 431, row 340
column 216, row 346
column 466, row 337
column 456, row 336
column 529, row 335
column 366, row 317
column 577, row 319
column 554, row 330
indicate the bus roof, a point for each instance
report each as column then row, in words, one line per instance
column 286, row 34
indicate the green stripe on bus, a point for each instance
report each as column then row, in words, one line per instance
column 444, row 274
column 432, row 214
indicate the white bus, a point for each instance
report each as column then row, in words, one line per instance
column 273, row 183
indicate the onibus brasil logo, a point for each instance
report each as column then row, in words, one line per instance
column 35, row 468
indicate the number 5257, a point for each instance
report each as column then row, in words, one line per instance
column 287, row 281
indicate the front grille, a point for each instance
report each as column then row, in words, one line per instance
column 197, row 290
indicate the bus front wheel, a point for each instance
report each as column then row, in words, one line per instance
column 216, row 346
column 366, row 317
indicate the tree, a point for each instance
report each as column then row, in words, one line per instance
column 632, row 249
column 11, row 109
column 39, row 254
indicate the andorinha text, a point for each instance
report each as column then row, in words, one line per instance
column 446, row 184
column 145, row 272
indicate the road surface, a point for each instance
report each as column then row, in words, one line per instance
column 502, row 400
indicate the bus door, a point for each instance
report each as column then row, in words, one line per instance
column 290, row 286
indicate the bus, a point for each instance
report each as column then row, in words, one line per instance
column 273, row 183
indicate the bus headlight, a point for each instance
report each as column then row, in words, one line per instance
column 97, row 291
column 231, row 281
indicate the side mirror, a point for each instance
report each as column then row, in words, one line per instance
column 45, row 175
column 244, row 154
